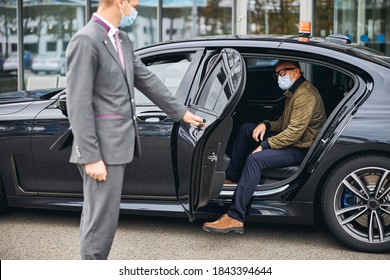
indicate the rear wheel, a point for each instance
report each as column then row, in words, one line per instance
column 356, row 203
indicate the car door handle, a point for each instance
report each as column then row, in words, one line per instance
column 152, row 116
column 213, row 157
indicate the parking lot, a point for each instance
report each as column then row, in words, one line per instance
column 53, row 235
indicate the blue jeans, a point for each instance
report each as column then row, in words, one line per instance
column 246, row 168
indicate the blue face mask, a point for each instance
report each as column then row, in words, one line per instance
column 128, row 20
column 284, row 82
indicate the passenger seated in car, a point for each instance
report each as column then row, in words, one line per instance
column 271, row 144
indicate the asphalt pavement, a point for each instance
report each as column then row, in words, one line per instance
column 53, row 235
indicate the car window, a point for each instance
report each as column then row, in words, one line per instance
column 169, row 71
column 264, row 100
column 223, row 79
column 256, row 63
column 216, row 98
column 332, row 84
column 260, row 78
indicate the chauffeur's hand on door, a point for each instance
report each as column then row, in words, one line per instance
column 193, row 119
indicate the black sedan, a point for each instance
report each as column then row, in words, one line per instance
column 344, row 178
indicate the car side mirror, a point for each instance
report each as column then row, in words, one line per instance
column 61, row 103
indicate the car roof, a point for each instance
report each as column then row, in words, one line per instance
column 339, row 43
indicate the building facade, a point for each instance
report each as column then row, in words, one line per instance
column 34, row 33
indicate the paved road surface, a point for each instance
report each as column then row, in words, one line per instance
column 44, row 235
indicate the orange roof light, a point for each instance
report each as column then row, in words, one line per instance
column 305, row 27
column 304, row 31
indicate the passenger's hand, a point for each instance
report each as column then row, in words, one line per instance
column 258, row 149
column 258, row 132
column 193, row 119
column 96, row 170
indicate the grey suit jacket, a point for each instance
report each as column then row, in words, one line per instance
column 100, row 97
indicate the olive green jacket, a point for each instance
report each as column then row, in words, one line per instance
column 302, row 118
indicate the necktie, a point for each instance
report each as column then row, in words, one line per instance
column 119, row 49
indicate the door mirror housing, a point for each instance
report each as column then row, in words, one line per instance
column 61, row 103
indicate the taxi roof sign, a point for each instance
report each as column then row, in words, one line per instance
column 304, row 31
column 305, row 27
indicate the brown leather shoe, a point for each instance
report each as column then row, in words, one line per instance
column 229, row 182
column 224, row 224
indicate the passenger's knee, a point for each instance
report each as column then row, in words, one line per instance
column 247, row 128
column 256, row 160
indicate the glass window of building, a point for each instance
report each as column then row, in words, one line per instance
column 48, row 27
column 8, row 46
column 180, row 19
column 192, row 18
column 365, row 21
column 323, row 17
column 144, row 31
column 273, row 17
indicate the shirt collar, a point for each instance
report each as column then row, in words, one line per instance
column 295, row 86
column 297, row 83
column 110, row 29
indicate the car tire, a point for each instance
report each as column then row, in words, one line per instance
column 355, row 210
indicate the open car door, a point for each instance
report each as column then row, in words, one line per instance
column 198, row 154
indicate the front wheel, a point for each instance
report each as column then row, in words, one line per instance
column 356, row 203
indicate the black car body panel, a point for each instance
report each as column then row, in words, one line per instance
column 178, row 163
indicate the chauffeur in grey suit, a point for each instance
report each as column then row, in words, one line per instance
column 102, row 73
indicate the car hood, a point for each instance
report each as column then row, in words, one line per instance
column 29, row 95
column 7, row 108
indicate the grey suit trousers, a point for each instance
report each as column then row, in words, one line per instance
column 99, row 218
